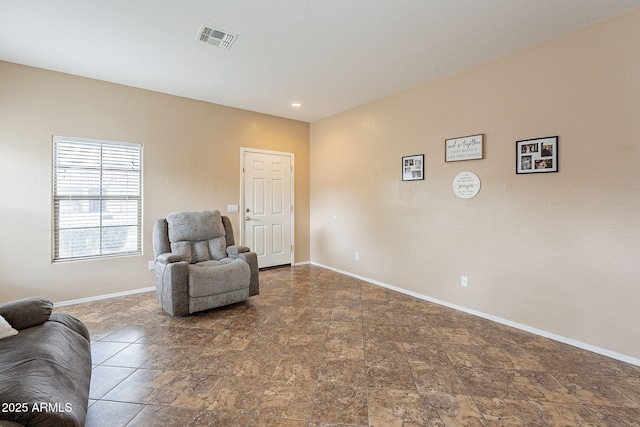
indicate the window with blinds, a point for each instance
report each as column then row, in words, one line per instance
column 97, row 198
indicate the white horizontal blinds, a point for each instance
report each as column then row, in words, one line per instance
column 97, row 188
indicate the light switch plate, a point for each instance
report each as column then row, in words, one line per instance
column 232, row 208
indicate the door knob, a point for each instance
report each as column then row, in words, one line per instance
column 247, row 219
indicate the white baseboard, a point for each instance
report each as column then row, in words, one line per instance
column 100, row 297
column 569, row 341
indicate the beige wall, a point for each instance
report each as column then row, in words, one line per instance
column 191, row 161
column 559, row 252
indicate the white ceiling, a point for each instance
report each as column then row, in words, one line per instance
column 330, row 55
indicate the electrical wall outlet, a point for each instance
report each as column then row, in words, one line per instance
column 464, row 281
column 152, row 265
column 357, row 256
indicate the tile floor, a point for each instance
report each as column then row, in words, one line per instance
column 317, row 348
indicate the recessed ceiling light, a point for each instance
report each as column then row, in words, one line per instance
column 296, row 104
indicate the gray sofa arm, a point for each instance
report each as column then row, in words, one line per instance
column 234, row 250
column 251, row 258
column 28, row 312
column 172, row 286
column 71, row 323
column 169, row 258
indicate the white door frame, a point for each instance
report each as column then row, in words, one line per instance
column 242, row 212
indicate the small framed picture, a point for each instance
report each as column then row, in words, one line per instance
column 413, row 167
column 537, row 155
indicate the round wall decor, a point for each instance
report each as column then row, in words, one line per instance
column 466, row 185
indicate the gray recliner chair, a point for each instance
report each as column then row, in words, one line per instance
column 198, row 265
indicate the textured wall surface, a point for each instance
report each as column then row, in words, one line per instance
column 191, row 153
column 557, row 251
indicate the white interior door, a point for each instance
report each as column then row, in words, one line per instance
column 268, row 207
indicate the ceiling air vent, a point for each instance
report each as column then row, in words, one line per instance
column 215, row 36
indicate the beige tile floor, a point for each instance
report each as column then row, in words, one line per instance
column 317, row 348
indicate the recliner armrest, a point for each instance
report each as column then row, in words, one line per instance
column 27, row 312
column 234, row 250
column 169, row 258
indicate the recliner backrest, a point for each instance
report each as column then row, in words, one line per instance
column 197, row 236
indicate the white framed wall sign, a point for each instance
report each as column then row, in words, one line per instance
column 464, row 148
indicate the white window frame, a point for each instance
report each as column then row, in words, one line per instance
column 125, row 225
